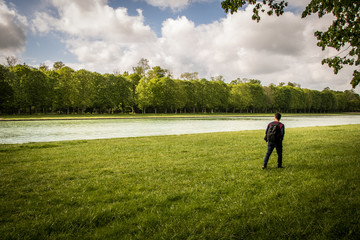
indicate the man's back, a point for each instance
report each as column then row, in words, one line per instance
column 275, row 132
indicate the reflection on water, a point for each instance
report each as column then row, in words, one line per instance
column 59, row 130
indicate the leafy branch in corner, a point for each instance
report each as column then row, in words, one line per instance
column 343, row 33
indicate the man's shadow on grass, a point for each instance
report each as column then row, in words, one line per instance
column 289, row 167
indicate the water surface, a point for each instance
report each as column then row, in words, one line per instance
column 59, row 130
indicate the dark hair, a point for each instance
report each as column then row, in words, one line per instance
column 278, row 116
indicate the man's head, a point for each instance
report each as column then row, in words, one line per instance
column 277, row 116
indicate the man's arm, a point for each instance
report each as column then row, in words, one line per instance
column 282, row 132
column 265, row 138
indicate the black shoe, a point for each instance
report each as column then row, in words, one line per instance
column 281, row 167
column 263, row 167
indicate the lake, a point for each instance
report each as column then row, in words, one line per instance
column 13, row 132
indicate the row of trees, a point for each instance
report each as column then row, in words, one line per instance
column 24, row 89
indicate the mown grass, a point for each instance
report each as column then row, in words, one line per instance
column 202, row 186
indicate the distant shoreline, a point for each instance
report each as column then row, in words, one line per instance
column 157, row 116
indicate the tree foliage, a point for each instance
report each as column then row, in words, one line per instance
column 24, row 89
column 274, row 6
column 342, row 35
column 142, row 67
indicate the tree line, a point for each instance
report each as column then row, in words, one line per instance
column 24, row 89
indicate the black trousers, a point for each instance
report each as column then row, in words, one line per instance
column 270, row 148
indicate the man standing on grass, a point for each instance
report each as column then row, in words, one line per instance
column 274, row 136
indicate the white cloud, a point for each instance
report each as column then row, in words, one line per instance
column 278, row 49
column 98, row 35
column 235, row 45
column 174, row 5
column 178, row 5
column 298, row 4
column 94, row 19
column 13, row 29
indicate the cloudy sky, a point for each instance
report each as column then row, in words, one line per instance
column 179, row 35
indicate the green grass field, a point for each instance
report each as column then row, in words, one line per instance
column 201, row 186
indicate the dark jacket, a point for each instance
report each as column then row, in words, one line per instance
column 282, row 130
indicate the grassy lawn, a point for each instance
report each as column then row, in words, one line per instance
column 201, row 186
